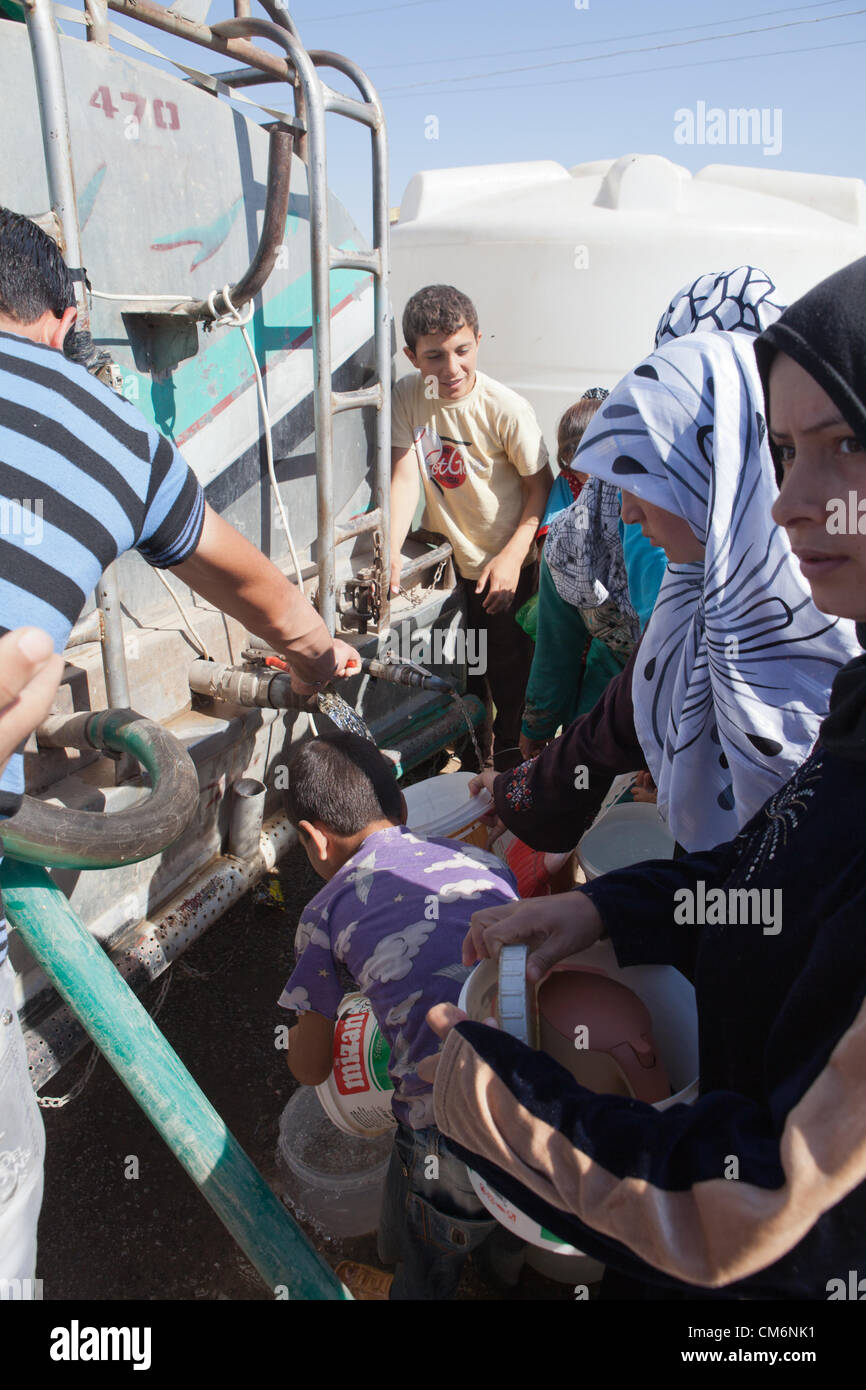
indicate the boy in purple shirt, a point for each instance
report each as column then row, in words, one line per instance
column 394, row 912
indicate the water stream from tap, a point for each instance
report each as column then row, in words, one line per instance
column 470, row 726
column 340, row 712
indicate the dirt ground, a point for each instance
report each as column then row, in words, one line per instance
column 103, row 1235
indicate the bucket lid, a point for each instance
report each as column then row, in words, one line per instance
column 440, row 805
column 626, row 834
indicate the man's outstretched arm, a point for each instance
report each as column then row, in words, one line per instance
column 228, row 571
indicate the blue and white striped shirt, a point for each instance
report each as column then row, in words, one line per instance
column 83, row 478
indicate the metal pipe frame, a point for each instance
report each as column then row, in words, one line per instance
column 273, row 231
column 367, row 112
column 313, row 114
column 427, row 561
column 54, row 118
column 370, row 113
column 158, row 17
column 354, row 400
column 97, row 14
column 358, row 526
column 312, row 100
column 114, row 661
column 371, row 261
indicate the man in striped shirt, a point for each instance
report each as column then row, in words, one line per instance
column 101, row 481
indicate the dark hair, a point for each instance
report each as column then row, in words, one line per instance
column 33, row 274
column 437, row 309
column 572, row 426
column 342, row 781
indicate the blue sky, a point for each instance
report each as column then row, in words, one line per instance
column 509, row 80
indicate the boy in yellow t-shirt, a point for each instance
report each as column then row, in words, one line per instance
column 482, row 461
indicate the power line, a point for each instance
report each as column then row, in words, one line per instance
column 640, row 72
column 623, row 52
column 593, row 43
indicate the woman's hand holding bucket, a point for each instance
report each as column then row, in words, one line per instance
column 557, row 927
column 442, row 1018
column 484, row 782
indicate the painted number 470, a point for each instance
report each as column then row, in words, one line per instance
column 165, row 113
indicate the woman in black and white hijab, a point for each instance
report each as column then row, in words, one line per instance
column 732, row 677
column 734, row 671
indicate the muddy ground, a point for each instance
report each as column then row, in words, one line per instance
column 104, row 1235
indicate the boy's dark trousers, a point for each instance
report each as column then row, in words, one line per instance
column 509, row 653
column 432, row 1220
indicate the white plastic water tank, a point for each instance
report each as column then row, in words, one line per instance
column 570, row 270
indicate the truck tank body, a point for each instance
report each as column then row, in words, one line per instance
column 170, row 186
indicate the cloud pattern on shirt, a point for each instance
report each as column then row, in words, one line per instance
column 465, row 888
column 393, row 956
column 455, row 862
column 362, row 876
column 420, row 1111
column 297, row 999
column 342, row 939
column 400, row 1012
column 309, row 934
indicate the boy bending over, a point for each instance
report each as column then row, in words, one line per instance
column 394, row 911
column 482, row 461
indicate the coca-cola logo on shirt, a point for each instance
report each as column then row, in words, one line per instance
column 445, row 463
column 447, row 466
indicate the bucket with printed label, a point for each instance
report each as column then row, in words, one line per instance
column 441, row 808
column 357, row 1095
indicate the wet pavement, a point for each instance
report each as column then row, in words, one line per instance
column 121, row 1219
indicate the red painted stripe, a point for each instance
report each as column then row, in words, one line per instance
column 221, row 405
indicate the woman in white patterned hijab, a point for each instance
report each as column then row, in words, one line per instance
column 734, row 672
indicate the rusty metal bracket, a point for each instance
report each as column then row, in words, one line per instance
column 361, row 599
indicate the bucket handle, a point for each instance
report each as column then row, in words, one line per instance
column 517, row 999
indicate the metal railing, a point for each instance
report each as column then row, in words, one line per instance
column 313, row 99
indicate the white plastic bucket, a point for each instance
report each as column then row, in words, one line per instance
column 671, row 1002
column 333, row 1181
column 627, row 834
column 357, row 1095
column 441, row 808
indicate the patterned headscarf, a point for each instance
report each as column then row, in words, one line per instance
column 731, row 300
column 734, row 672
column 583, row 551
